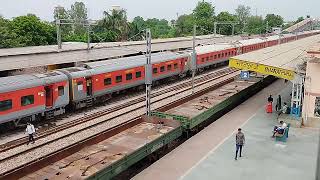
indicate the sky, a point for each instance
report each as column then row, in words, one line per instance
column 167, row 9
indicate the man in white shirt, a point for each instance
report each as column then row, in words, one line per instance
column 279, row 129
column 30, row 130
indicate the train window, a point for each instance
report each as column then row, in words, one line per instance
column 226, row 54
column 169, row 67
column 27, row 100
column 175, row 66
column 218, row 55
column 138, row 74
column 107, row 81
column 80, row 85
column 211, row 57
column 202, row 60
column 215, row 56
column 128, row 76
column 155, row 70
column 5, row 105
column 207, row 59
column 118, row 79
column 60, row 91
column 162, row 68
column 229, row 53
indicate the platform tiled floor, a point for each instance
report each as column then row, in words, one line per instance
column 210, row 153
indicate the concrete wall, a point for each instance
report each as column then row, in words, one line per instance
column 312, row 90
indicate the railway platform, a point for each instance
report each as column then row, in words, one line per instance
column 210, row 153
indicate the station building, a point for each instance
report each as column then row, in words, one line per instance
column 311, row 103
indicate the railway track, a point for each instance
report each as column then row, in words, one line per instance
column 133, row 109
column 89, row 117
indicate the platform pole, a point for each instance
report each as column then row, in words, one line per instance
column 194, row 56
column 148, row 73
column 88, row 38
column 58, row 23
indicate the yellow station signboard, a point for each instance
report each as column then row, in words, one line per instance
column 260, row 68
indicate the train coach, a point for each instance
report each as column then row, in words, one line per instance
column 97, row 81
column 30, row 97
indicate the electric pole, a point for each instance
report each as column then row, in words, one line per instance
column 148, row 73
column 194, row 56
column 88, row 36
column 58, row 34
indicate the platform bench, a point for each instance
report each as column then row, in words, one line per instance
column 285, row 134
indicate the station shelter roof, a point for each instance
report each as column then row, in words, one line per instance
column 281, row 60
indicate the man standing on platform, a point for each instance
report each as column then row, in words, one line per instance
column 279, row 104
column 270, row 99
column 240, row 139
column 269, row 105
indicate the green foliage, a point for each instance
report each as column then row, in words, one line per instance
column 78, row 11
column 224, row 16
column 299, row 19
column 184, row 25
column 116, row 21
column 255, row 25
column 30, row 31
column 243, row 14
column 8, row 39
column 274, row 20
column 159, row 27
column 204, row 17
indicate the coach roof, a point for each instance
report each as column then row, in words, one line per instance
column 12, row 83
column 131, row 62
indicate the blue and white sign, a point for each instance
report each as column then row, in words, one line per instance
column 245, row 75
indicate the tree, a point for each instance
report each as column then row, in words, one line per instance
column 139, row 21
column 136, row 27
column 274, row 20
column 225, row 16
column 299, row 19
column 8, row 39
column 184, row 25
column 243, row 14
column 31, row 31
column 159, row 27
column 204, row 17
column 60, row 13
column 255, row 25
column 78, row 13
column 116, row 21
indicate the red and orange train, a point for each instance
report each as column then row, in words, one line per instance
column 37, row 96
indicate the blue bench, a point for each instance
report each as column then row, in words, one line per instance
column 285, row 134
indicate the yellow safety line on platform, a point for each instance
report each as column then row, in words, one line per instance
column 261, row 68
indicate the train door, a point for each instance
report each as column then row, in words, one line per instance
column 182, row 64
column 49, row 96
column 89, row 86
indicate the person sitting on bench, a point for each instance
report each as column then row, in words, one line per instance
column 279, row 129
